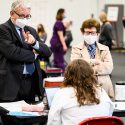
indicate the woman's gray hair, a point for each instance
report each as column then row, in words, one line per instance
column 20, row 3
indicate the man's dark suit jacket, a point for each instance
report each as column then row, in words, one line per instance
column 12, row 58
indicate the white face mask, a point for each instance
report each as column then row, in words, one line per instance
column 89, row 39
column 21, row 22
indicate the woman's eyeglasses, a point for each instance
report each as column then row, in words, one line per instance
column 92, row 33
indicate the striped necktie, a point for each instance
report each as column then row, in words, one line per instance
column 92, row 50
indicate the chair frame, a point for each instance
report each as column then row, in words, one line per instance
column 109, row 120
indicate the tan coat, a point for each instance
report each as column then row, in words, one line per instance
column 103, row 69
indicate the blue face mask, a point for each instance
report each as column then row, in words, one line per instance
column 64, row 17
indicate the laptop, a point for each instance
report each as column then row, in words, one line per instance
column 50, row 92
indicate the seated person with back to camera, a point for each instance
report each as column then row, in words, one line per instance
column 80, row 97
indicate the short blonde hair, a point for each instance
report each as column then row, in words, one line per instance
column 103, row 16
column 20, row 3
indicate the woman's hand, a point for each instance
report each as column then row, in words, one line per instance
column 94, row 62
column 65, row 48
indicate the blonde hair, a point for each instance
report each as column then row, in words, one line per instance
column 103, row 17
column 20, row 3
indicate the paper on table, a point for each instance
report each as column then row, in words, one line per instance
column 17, row 113
column 119, row 105
column 13, row 106
column 55, row 79
column 15, row 109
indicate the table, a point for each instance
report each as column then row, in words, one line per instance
column 14, row 120
column 119, row 108
column 21, row 120
column 42, row 120
column 119, row 113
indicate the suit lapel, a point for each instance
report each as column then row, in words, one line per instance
column 14, row 31
column 17, row 35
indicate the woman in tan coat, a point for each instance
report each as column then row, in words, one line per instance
column 96, row 54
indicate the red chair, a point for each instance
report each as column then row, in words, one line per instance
column 107, row 120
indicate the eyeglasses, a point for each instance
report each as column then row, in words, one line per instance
column 92, row 33
column 22, row 16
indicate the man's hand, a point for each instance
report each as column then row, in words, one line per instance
column 29, row 39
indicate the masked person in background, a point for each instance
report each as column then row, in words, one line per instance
column 58, row 44
column 96, row 54
column 20, row 47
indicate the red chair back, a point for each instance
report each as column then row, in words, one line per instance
column 109, row 120
column 53, row 82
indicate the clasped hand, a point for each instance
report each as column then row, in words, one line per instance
column 96, row 61
column 29, row 39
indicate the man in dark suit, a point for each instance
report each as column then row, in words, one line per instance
column 20, row 48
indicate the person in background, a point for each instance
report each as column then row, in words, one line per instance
column 96, row 54
column 80, row 97
column 106, row 34
column 68, row 34
column 58, row 45
column 43, row 37
column 92, row 16
column 123, row 20
column 20, row 47
column 42, row 33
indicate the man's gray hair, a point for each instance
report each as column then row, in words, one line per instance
column 20, row 3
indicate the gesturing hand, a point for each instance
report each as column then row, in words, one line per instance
column 29, row 39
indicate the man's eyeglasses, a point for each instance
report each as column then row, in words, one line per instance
column 92, row 33
column 22, row 16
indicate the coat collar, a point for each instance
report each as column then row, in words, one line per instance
column 99, row 46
